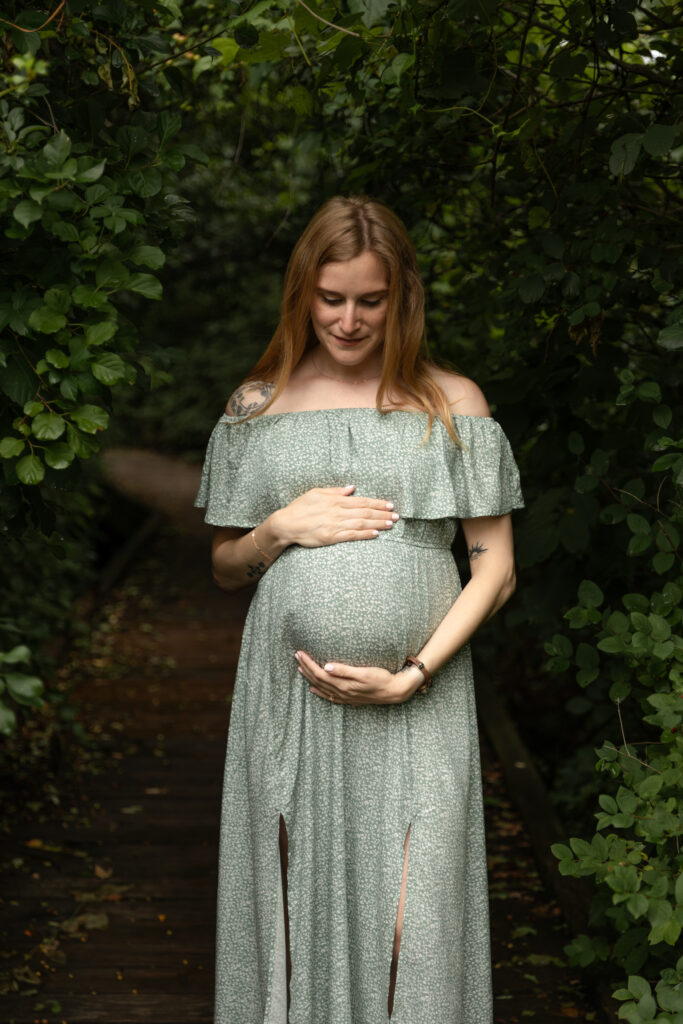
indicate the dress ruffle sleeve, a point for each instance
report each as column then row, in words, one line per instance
column 243, row 481
column 480, row 479
column 232, row 488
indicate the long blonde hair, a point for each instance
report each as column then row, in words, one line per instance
column 343, row 228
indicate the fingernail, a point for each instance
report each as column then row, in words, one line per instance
column 390, row 504
column 375, row 533
column 389, row 522
column 394, row 516
column 328, row 668
column 297, row 655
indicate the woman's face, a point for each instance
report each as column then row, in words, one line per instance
column 349, row 308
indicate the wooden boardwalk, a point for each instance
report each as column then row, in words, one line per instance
column 108, row 905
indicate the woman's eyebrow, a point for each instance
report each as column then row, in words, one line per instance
column 366, row 295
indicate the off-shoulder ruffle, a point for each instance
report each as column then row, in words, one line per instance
column 255, row 467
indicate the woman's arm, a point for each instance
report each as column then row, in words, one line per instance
column 489, row 540
column 236, row 560
column 490, row 551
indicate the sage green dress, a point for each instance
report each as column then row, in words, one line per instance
column 348, row 781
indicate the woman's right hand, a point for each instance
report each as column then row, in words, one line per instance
column 330, row 515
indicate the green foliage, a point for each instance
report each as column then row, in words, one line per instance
column 633, row 654
column 89, row 158
column 16, row 687
column 536, row 161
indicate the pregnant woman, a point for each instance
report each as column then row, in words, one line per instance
column 352, row 878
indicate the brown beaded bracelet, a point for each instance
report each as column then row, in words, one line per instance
column 411, row 660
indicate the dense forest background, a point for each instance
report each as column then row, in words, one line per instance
column 158, row 162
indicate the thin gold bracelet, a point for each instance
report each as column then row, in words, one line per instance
column 253, row 537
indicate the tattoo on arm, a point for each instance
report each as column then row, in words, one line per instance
column 256, row 569
column 249, row 398
column 475, row 551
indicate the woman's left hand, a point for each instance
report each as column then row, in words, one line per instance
column 355, row 684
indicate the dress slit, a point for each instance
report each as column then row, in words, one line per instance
column 398, row 931
column 284, row 864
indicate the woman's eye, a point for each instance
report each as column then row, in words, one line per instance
column 337, row 302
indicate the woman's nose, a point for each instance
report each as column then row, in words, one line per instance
column 348, row 318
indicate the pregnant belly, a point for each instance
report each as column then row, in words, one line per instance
column 361, row 602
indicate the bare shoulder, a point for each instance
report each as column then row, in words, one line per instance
column 464, row 396
column 249, row 397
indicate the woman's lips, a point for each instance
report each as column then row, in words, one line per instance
column 346, row 341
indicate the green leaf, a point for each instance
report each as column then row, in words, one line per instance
column 11, row 446
column 374, row 11
column 59, row 456
column 650, row 786
column 108, row 368
column 147, row 181
column 57, row 150
column 169, row 122
column 659, row 138
column 30, row 469
column 173, row 6
column 624, row 153
column 47, row 426
column 58, row 299
column 531, row 288
column 26, row 212
column 590, row 595
column 145, row 284
column 46, row 320
column 561, row 851
column 8, row 720
column 672, row 931
column 89, row 298
column 575, row 443
column 678, row 892
column 111, row 274
column 90, row 418
column 246, row 36
column 97, row 334
column 91, row 173
column 16, row 654
column 649, row 391
column 148, row 256
column 57, row 357
column 671, row 337
column 637, row 904
column 637, row 524
column 228, row 48
column 25, row 689
column 663, row 561
column 662, row 416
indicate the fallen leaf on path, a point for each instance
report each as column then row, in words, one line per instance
column 108, row 891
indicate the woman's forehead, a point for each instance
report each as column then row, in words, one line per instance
column 365, row 273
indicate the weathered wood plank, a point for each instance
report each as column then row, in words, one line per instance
column 112, row 1008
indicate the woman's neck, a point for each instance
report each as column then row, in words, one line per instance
column 320, row 363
